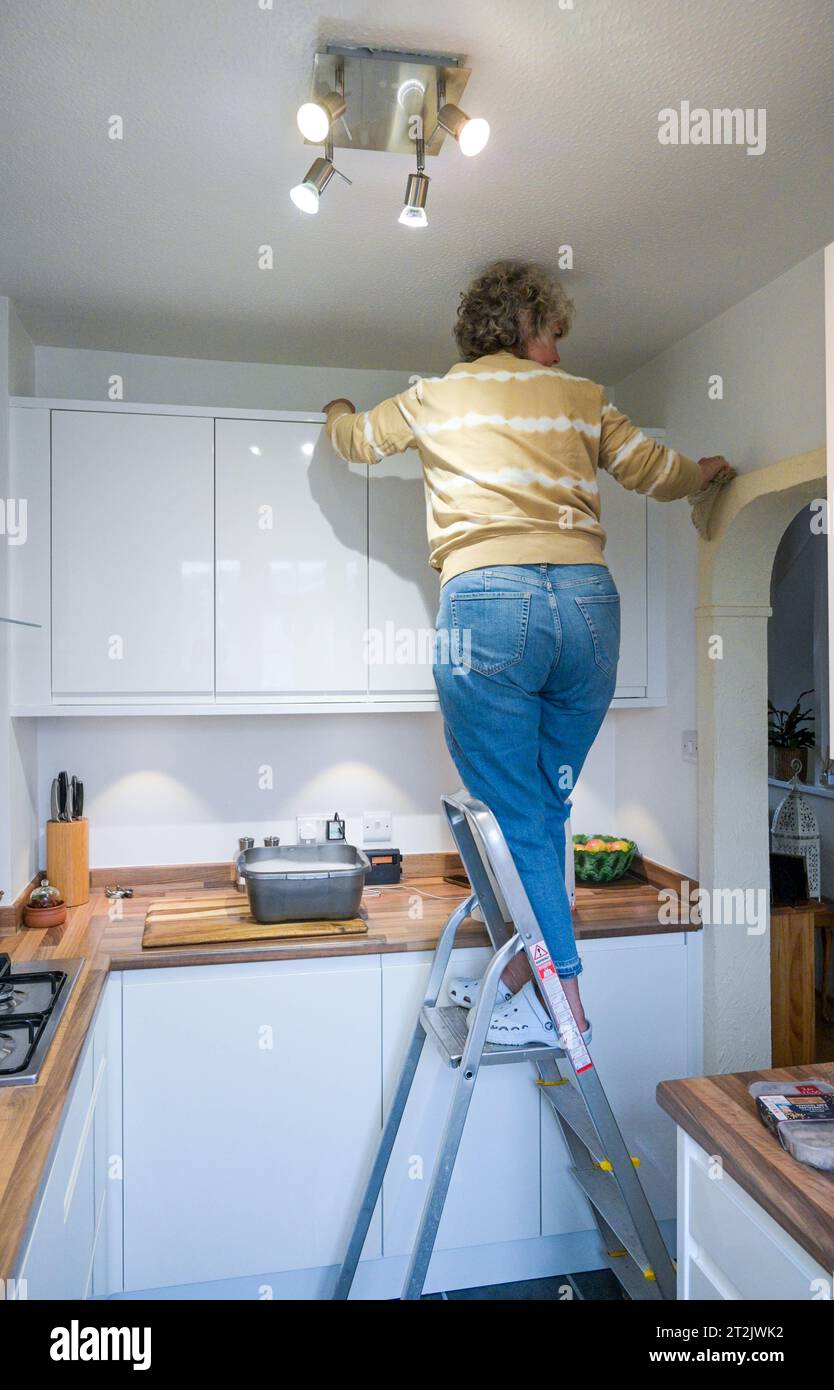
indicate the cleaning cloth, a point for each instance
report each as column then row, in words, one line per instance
column 801, row 1115
column 703, row 503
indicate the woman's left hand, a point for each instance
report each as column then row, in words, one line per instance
column 339, row 400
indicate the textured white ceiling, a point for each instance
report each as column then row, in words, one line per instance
column 150, row 244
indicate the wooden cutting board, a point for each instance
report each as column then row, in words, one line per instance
column 216, row 917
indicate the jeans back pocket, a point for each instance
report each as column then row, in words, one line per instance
column 602, row 614
column 489, row 629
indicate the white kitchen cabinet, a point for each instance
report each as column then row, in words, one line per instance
column 325, row 598
column 494, row 1192
column 251, row 1116
column 403, row 589
column 73, row 1248
column 729, row 1247
column 57, row 1260
column 132, row 556
column 637, row 992
column 292, row 584
column 107, row 1128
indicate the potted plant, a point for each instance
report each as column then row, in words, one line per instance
column 790, row 737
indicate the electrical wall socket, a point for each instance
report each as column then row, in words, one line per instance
column 311, row 830
column 376, row 828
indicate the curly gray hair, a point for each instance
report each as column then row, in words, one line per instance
column 507, row 305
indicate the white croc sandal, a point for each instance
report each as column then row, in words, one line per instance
column 466, row 992
column 522, row 1021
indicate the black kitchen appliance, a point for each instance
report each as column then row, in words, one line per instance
column 33, row 997
column 386, row 866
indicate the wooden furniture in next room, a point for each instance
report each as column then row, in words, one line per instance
column 792, row 998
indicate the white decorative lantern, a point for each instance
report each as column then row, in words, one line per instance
column 794, row 830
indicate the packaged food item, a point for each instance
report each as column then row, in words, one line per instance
column 801, row 1115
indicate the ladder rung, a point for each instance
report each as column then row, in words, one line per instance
column 634, row 1281
column 603, row 1192
column 572, row 1110
column 446, row 1026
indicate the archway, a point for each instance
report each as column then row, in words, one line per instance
column 734, row 605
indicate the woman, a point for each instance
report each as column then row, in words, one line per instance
column 528, row 628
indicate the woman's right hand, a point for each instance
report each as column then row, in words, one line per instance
column 716, row 466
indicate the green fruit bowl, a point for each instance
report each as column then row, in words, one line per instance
column 601, row 866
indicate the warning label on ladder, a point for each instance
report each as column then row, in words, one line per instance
column 569, row 1034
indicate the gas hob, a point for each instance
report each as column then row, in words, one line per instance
column 33, row 997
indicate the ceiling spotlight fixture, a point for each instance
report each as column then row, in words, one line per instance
column 316, row 117
column 416, row 192
column 370, row 99
column 306, row 194
column 471, row 132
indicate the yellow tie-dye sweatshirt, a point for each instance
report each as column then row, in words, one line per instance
column 510, row 454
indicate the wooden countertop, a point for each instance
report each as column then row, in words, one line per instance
column 720, row 1115
column 30, row 1115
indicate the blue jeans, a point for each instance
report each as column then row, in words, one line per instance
column 525, row 663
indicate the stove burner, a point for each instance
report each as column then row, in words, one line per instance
column 32, row 1002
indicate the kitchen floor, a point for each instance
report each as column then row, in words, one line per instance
column 597, row 1285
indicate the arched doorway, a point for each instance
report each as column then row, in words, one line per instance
column 734, row 605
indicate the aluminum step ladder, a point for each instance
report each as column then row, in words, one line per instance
column 602, row 1166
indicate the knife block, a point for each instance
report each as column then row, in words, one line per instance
column 68, row 859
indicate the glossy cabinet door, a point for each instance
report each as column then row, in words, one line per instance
column 635, row 992
column 107, row 1066
column 625, row 519
column 251, row 1116
column 403, row 589
column 132, row 555
column 729, row 1248
column 292, row 587
column 57, row 1262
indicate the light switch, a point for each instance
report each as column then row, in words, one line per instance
column 689, row 745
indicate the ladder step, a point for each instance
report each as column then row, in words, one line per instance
column 571, row 1108
column 446, row 1026
column 633, row 1280
column 602, row 1192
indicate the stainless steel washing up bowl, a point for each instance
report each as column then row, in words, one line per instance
column 304, row 883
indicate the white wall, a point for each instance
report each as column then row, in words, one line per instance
column 769, row 351
column 181, row 790
column 79, row 374
column 5, row 630
column 18, row 745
